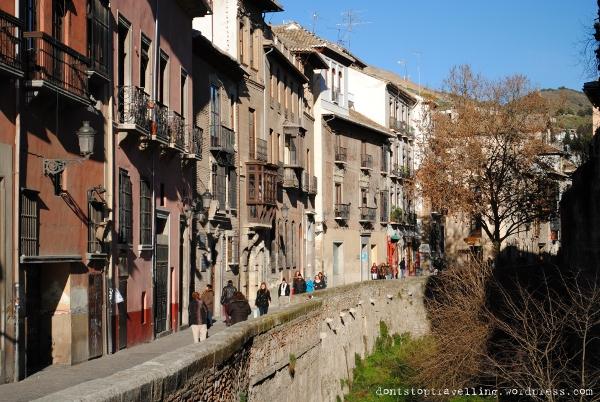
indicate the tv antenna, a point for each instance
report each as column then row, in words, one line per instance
column 315, row 19
column 350, row 20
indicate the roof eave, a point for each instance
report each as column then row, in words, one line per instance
column 357, row 123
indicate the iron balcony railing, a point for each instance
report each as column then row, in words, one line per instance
column 313, row 185
column 366, row 161
column 395, row 124
column 341, row 154
column 368, row 214
column 305, row 181
column 290, row 178
column 176, row 130
column 160, row 122
column 261, row 150
column 341, row 211
column 259, row 215
column 133, row 107
column 396, row 170
column 194, row 142
column 57, row 64
column 10, row 42
column 222, row 138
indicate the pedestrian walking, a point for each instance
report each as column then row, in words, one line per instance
column 263, row 299
column 402, row 268
column 394, row 271
column 310, row 287
column 239, row 308
column 319, row 284
column 299, row 284
column 208, row 297
column 226, row 296
column 283, row 292
column 374, row 271
column 198, row 318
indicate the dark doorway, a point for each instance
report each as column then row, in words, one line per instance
column 182, row 226
column 38, row 335
column 95, row 315
column 161, row 279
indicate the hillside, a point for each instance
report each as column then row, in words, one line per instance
column 571, row 108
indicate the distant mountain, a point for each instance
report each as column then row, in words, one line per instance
column 571, row 108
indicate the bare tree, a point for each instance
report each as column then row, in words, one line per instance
column 484, row 159
column 536, row 334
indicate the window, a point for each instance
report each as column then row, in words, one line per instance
column 29, row 223
column 163, row 198
column 183, row 94
column 146, row 65
column 215, row 106
column 338, row 193
column 232, row 250
column 290, row 156
column 232, row 193
column 163, row 79
column 241, row 43
column 145, row 213
column 279, row 87
column 124, row 53
column 262, row 185
column 219, row 184
column 99, row 35
column 252, row 133
column 95, row 219
column 59, row 12
column 251, row 51
column 364, row 197
column 272, row 86
column 286, row 90
column 125, row 208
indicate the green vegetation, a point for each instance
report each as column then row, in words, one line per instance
column 571, row 108
column 389, row 367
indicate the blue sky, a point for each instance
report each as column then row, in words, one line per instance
column 539, row 38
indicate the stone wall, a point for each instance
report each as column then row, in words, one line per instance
column 315, row 339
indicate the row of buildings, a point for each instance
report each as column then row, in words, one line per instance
column 148, row 148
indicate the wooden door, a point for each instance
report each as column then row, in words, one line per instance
column 161, row 288
column 95, row 303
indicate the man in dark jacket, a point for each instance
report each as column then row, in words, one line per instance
column 226, row 297
column 198, row 318
column 208, row 297
column 239, row 308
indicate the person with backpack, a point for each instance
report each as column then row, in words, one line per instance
column 226, row 296
column 198, row 318
column 239, row 308
column 263, row 298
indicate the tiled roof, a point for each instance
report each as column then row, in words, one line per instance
column 361, row 120
column 298, row 39
column 401, row 82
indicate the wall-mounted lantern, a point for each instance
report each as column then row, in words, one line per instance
column 86, row 136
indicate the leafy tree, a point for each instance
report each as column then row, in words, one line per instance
column 485, row 158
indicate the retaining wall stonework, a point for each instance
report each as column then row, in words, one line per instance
column 252, row 359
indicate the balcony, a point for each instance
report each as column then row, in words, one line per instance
column 160, row 122
column 194, row 143
column 11, row 61
column 396, row 171
column 260, row 153
column 260, row 216
column 133, row 112
column 394, row 124
column 367, row 214
column 305, row 182
column 312, row 189
column 366, row 162
column 176, row 131
column 341, row 155
column 56, row 67
column 222, row 139
column 336, row 95
column 341, row 211
column 290, row 178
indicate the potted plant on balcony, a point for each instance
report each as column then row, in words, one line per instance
column 396, row 215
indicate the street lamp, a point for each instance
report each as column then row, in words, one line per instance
column 86, row 136
column 206, row 199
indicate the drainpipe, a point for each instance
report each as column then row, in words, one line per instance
column 154, row 92
column 16, row 226
column 265, row 66
column 110, row 200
